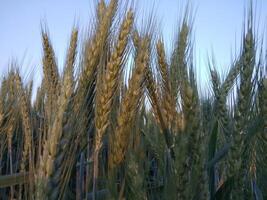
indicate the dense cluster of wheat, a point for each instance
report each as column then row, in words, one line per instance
column 126, row 120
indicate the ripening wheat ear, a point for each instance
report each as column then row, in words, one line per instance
column 219, row 102
column 179, row 60
column 231, row 77
column 54, row 188
column 178, row 70
column 108, row 86
column 3, row 94
column 151, row 85
column 180, row 67
column 247, row 66
column 110, row 80
column 10, row 127
column 45, row 167
column 71, row 56
column 216, row 83
column 51, row 77
column 128, row 107
column 101, row 9
column 11, row 102
column 168, row 100
column 220, row 91
column 154, row 99
column 24, row 109
column 242, row 110
column 28, row 152
column 94, row 47
column 190, row 161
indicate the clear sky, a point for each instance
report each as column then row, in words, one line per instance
column 217, row 27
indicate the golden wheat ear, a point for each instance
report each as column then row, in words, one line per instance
column 51, row 79
column 28, row 145
column 10, row 125
column 94, row 47
column 57, row 95
column 111, row 79
column 109, row 84
column 128, row 107
column 54, row 185
column 169, row 103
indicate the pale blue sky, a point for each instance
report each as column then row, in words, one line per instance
column 217, row 27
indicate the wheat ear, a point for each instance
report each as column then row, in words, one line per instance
column 128, row 107
column 168, row 102
column 109, row 85
column 50, row 146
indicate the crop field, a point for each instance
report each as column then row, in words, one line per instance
column 126, row 119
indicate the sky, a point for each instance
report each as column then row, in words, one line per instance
column 217, row 27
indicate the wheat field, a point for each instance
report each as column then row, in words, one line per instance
column 126, row 120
